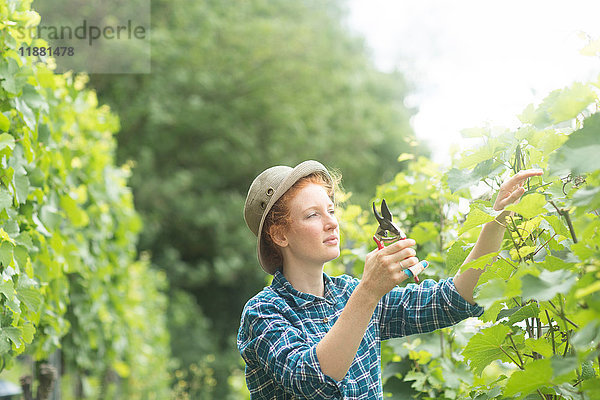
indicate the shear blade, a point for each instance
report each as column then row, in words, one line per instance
column 386, row 211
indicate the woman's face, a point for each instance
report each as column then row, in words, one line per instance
column 312, row 237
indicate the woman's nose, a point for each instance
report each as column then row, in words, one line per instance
column 331, row 222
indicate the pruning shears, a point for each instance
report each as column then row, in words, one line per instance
column 388, row 232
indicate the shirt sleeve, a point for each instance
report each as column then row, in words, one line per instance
column 269, row 340
column 423, row 308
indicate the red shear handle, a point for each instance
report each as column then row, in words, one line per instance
column 379, row 243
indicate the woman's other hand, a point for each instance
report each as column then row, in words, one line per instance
column 512, row 189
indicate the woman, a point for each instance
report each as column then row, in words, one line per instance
column 312, row 336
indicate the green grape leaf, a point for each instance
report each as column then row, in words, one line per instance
column 22, row 187
column 557, row 225
column 77, row 216
column 571, row 102
column 541, row 346
column 586, row 136
column 6, row 253
column 563, row 368
column 5, row 346
column 10, row 80
column 27, row 113
column 31, row 297
column 479, row 263
column 13, row 333
column 456, row 255
column 530, row 310
column 477, row 156
column 587, row 337
column 4, row 123
column 537, row 373
column 507, row 312
column 547, row 140
column 7, row 140
column 583, row 251
column 586, row 291
column 587, row 197
column 28, row 332
column 490, row 292
column 7, row 288
column 475, row 218
column 424, row 232
column 458, row 179
column 547, row 285
column 485, row 347
column 530, row 205
column 591, row 387
column 560, row 105
column 579, row 154
column 522, row 252
column 6, row 199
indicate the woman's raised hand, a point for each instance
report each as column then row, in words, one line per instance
column 512, row 189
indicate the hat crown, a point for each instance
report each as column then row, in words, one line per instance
column 260, row 193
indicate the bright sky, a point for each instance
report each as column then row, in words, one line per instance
column 478, row 62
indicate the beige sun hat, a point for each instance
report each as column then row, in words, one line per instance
column 265, row 190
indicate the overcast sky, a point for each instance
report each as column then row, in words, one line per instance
column 477, row 62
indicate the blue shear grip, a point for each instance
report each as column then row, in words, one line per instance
column 410, row 274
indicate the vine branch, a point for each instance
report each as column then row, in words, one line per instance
column 565, row 214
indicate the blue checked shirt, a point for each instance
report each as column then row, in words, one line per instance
column 281, row 327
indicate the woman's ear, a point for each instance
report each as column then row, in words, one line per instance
column 278, row 236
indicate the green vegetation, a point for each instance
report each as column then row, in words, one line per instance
column 539, row 335
column 70, row 278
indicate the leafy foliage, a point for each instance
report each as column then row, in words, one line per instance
column 69, row 277
column 539, row 335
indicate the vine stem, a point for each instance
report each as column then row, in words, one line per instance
column 516, row 301
column 563, row 316
column 514, row 346
column 515, row 243
column 551, row 332
column 512, row 220
column 565, row 215
column 528, row 328
column 508, row 262
column 512, row 359
column 544, row 245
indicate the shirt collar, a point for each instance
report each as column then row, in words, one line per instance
column 282, row 286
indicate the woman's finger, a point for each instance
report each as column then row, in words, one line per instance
column 402, row 255
column 521, row 176
column 408, row 262
column 512, row 197
column 397, row 246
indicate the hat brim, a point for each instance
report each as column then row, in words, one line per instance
column 300, row 171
